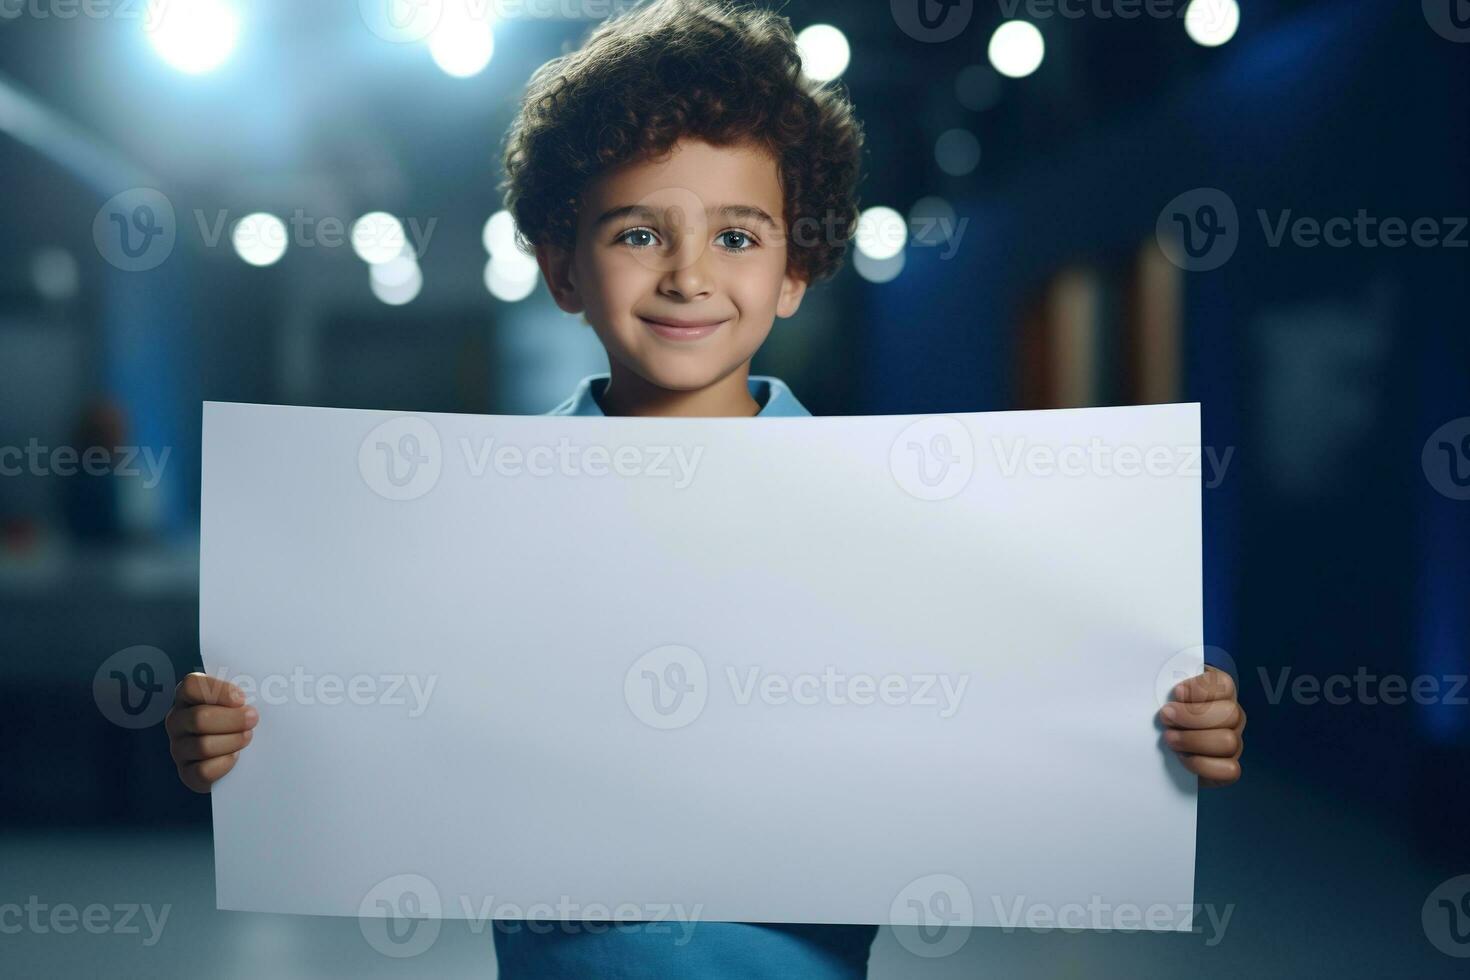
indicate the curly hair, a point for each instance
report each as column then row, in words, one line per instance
column 722, row 72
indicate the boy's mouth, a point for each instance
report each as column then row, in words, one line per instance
column 682, row 329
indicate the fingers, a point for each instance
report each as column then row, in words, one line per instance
column 197, row 688
column 200, row 776
column 1202, row 714
column 1213, row 685
column 1212, row 771
column 207, row 727
column 1221, row 743
column 209, row 719
column 1210, row 751
column 195, row 748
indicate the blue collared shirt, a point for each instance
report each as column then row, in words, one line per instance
column 775, row 399
column 565, row 950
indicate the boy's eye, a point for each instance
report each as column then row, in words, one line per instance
column 636, row 231
column 739, row 236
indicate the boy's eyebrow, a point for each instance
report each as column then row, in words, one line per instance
column 732, row 212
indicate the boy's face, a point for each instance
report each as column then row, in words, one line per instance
column 697, row 237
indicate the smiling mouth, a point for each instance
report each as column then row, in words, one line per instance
column 685, row 330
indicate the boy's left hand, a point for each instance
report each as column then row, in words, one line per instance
column 1204, row 723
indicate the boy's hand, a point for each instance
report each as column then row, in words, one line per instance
column 1204, row 725
column 207, row 727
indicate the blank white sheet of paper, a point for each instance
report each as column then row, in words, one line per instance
column 882, row 669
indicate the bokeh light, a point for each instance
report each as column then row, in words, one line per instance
column 932, row 221
column 194, row 36
column 878, row 270
column 259, row 239
column 397, row 295
column 397, row 271
column 1017, row 49
column 977, row 87
column 510, row 280
column 957, row 152
column 463, row 43
column 377, row 237
column 1211, row 23
column 54, row 273
column 824, row 52
column 881, row 233
column 499, row 236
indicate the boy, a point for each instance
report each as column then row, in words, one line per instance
column 682, row 183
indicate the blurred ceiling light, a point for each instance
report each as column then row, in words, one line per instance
column 878, row 270
column 462, row 44
column 517, row 265
column 957, row 152
column 377, row 237
column 499, row 235
column 824, row 52
column 399, row 294
column 397, row 271
column 510, row 281
column 1211, row 22
column 259, row 239
column 195, row 36
column 54, row 273
column 511, row 274
column 881, row 233
column 1017, row 49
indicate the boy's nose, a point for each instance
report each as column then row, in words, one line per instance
column 688, row 275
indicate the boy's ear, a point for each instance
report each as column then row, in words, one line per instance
column 561, row 278
column 793, row 288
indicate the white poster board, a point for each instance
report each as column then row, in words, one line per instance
column 887, row 669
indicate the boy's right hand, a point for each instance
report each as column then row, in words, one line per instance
column 207, row 727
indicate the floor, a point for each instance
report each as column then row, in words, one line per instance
column 1310, row 890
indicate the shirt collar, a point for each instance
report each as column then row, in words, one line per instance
column 772, row 394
